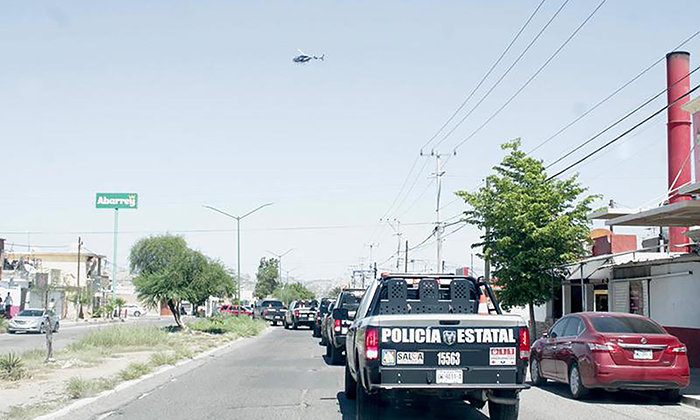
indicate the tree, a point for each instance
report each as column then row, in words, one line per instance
column 335, row 292
column 532, row 227
column 119, row 303
column 293, row 291
column 167, row 270
column 267, row 277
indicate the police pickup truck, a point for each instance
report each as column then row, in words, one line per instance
column 420, row 338
column 301, row 312
column 339, row 321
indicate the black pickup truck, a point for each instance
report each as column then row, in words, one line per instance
column 320, row 313
column 420, row 337
column 271, row 310
column 340, row 319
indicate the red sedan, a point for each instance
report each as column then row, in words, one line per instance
column 235, row 310
column 612, row 351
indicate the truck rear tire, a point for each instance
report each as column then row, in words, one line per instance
column 336, row 355
column 350, row 384
column 328, row 350
column 504, row 411
column 367, row 404
column 286, row 326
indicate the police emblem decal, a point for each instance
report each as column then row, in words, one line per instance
column 449, row 337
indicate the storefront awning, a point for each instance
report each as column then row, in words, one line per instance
column 690, row 189
column 681, row 214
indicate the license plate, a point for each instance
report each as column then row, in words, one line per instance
column 448, row 376
column 643, row 355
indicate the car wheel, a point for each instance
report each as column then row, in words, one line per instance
column 323, row 340
column 504, row 411
column 578, row 391
column 11, row 331
column 42, row 329
column 328, row 350
column 336, row 356
column 137, row 314
column 350, row 384
column 670, row 395
column 294, row 325
column 286, row 326
column 367, row 404
column 535, row 374
column 55, row 328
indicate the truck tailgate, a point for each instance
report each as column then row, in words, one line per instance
column 446, row 350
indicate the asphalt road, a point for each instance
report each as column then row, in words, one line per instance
column 282, row 375
column 22, row 342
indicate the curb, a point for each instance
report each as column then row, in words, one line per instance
column 124, row 385
column 690, row 401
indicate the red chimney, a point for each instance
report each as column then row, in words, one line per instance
column 679, row 165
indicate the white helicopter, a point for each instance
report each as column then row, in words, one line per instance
column 305, row 58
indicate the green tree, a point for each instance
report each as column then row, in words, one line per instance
column 293, row 291
column 532, row 227
column 167, row 270
column 119, row 303
column 267, row 277
column 335, row 292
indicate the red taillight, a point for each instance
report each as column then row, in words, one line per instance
column 296, row 313
column 524, row 343
column 604, row 347
column 338, row 324
column 267, row 312
column 372, row 344
column 677, row 349
column 318, row 315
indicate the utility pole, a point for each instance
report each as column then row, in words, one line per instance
column 439, row 172
column 397, row 230
column 487, row 260
column 80, row 292
column 371, row 248
column 405, row 262
column 279, row 260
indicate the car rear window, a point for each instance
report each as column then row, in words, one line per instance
column 273, row 304
column 31, row 312
column 351, row 301
column 625, row 325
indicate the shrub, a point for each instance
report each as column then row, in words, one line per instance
column 241, row 326
column 81, row 388
column 160, row 359
column 3, row 325
column 135, row 371
column 12, row 368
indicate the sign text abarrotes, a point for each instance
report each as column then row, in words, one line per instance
column 461, row 335
column 116, row 201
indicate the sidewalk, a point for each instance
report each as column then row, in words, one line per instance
column 100, row 321
column 691, row 395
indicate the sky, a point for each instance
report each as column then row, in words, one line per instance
column 198, row 103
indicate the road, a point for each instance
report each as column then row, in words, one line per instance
column 282, row 375
column 22, row 342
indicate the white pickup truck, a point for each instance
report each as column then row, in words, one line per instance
column 420, row 338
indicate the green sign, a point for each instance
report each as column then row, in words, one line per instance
column 117, row 201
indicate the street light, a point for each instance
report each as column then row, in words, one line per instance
column 279, row 257
column 238, row 230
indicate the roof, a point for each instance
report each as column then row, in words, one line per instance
column 51, row 254
column 597, row 268
column 609, row 213
column 692, row 106
column 680, row 214
column 690, row 189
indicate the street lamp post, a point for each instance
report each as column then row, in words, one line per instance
column 238, row 230
column 279, row 258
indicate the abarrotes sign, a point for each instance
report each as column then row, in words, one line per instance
column 117, row 201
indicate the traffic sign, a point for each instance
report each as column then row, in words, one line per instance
column 116, row 201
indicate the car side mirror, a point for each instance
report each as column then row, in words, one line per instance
column 340, row 313
column 552, row 335
column 545, row 335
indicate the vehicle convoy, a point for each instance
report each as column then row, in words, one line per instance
column 271, row 310
column 301, row 312
column 322, row 311
column 419, row 337
column 611, row 351
column 339, row 321
column 324, row 323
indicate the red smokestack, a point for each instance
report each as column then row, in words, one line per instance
column 677, row 68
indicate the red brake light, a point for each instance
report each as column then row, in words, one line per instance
column 372, row 344
column 604, row 347
column 338, row 324
column 296, row 313
column 524, row 343
column 267, row 311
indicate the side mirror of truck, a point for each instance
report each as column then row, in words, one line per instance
column 340, row 313
column 545, row 335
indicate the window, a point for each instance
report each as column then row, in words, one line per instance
column 559, row 328
column 637, row 297
column 625, row 325
column 574, row 328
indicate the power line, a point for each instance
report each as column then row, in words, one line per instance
column 639, row 124
column 549, row 60
column 609, row 127
column 488, row 73
column 498, row 82
column 618, row 90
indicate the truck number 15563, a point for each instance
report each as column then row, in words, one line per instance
column 448, row 358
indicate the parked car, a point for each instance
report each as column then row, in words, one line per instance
column 320, row 313
column 271, row 310
column 33, row 320
column 239, row 310
column 339, row 321
column 324, row 324
column 420, row 337
column 301, row 312
column 134, row 310
column 611, row 351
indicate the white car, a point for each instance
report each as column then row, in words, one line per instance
column 134, row 310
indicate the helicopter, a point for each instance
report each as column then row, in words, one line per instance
column 305, row 58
